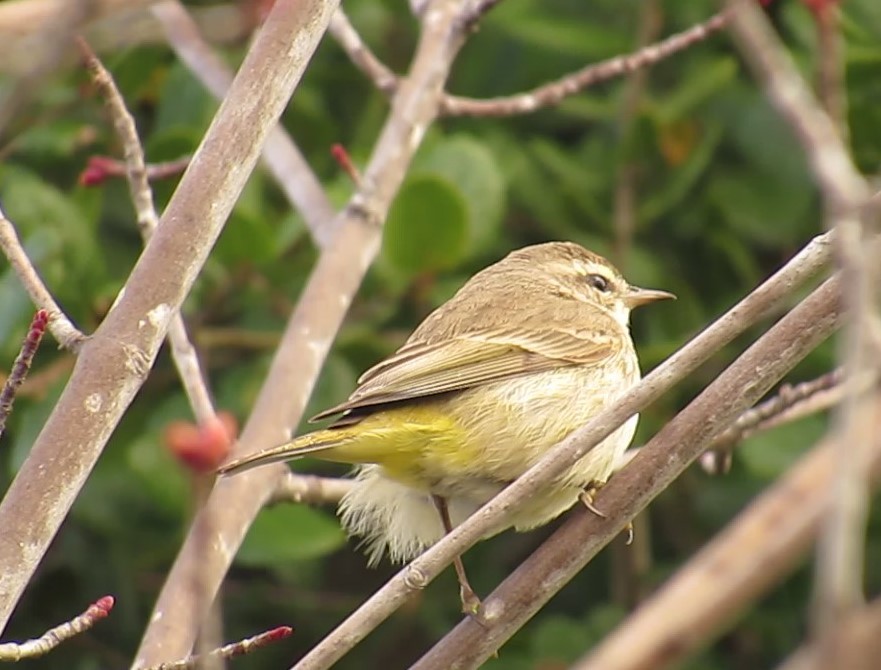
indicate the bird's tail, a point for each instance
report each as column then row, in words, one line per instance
column 311, row 443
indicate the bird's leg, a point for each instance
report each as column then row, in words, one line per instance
column 586, row 498
column 470, row 601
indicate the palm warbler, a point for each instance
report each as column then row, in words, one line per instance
column 528, row 350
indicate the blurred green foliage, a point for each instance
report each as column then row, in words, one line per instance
column 722, row 198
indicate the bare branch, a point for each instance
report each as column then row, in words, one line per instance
column 836, row 176
column 861, row 643
column 310, row 489
column 51, row 42
column 360, row 54
column 17, row 651
column 229, row 651
column 830, row 64
column 663, row 459
column 555, row 91
column 310, row 332
column 184, row 354
column 425, row 568
column 846, row 195
column 790, row 403
column 736, row 568
column 624, row 213
column 99, row 168
column 59, row 325
column 22, row 365
column 114, row 362
column 284, row 160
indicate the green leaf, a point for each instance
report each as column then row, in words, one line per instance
column 770, row 453
column 184, row 102
column 679, row 181
column 249, row 237
column 468, row 164
column 427, row 227
column 759, row 209
column 288, row 533
column 336, row 382
column 713, row 76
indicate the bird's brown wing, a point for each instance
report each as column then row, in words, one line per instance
column 420, row 369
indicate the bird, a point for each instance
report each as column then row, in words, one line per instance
column 529, row 349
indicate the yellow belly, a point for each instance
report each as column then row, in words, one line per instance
column 467, row 447
column 473, row 443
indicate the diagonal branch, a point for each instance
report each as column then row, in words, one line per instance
column 862, row 631
column 846, row 195
column 22, row 365
column 235, row 501
column 115, row 361
column 281, row 156
column 555, row 91
column 789, row 404
column 60, row 326
column 360, row 54
column 735, row 569
column 17, row 651
column 184, row 354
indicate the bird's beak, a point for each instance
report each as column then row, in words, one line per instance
column 636, row 296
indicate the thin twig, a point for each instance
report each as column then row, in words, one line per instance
column 788, row 404
column 846, row 195
column 558, row 459
column 186, row 359
column 624, row 212
column 280, row 154
column 555, row 91
column 229, row 651
column 60, row 326
column 309, row 489
column 344, row 160
column 830, row 64
column 100, row 168
column 17, row 651
column 360, row 54
column 183, row 353
column 22, row 365
column 739, row 565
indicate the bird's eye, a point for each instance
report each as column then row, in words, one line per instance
column 598, row 282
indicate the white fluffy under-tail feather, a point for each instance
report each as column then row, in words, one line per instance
column 392, row 518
